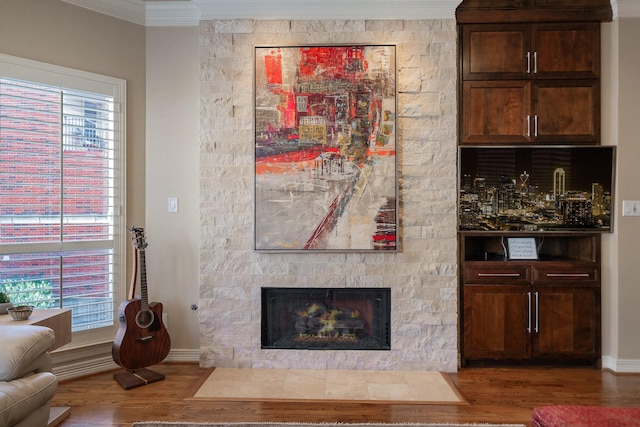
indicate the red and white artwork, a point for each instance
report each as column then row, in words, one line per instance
column 325, row 148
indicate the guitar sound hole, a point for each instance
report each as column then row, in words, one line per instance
column 145, row 318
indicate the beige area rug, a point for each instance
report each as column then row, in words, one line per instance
column 186, row 424
column 407, row 387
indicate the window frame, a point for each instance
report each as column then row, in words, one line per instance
column 68, row 78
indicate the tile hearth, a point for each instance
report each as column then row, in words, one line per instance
column 354, row 385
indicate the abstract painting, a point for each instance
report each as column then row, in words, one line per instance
column 325, row 148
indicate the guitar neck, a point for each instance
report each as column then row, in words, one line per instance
column 144, row 297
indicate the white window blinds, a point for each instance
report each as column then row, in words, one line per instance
column 61, row 187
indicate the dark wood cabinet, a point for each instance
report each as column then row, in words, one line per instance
column 495, row 320
column 545, row 310
column 565, row 111
column 522, row 111
column 530, row 83
column 496, row 112
column 492, row 52
column 566, row 322
column 531, row 323
column 494, row 11
column 565, row 51
column 531, row 51
column 529, row 74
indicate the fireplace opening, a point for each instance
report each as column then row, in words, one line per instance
column 326, row 318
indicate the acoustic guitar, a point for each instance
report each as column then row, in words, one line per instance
column 142, row 339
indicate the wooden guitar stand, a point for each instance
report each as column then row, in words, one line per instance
column 132, row 378
column 137, row 377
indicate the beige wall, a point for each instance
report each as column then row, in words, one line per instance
column 628, row 125
column 173, row 148
column 609, row 137
column 620, row 260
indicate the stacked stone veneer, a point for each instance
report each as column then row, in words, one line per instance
column 422, row 276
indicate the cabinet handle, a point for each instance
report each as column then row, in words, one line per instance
column 528, row 62
column 535, row 62
column 567, row 274
column 537, row 329
column 498, row 274
column 528, row 125
column 529, row 299
column 535, row 126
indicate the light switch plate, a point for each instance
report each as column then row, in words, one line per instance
column 631, row 208
column 172, row 205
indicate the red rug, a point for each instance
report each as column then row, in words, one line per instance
column 585, row 416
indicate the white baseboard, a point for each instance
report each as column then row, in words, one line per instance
column 87, row 361
column 82, row 369
column 621, row 366
column 184, row 355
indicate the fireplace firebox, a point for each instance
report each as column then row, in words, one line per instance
column 326, row 318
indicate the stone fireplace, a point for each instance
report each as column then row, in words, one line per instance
column 421, row 275
column 326, row 318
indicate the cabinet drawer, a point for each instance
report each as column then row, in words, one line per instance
column 512, row 274
column 584, row 274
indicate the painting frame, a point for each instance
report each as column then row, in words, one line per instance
column 325, row 143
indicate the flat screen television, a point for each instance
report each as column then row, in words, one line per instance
column 536, row 188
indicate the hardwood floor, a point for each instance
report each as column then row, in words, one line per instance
column 499, row 395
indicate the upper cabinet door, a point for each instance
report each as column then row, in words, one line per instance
column 491, row 52
column 496, row 112
column 566, row 111
column 565, row 50
column 531, row 51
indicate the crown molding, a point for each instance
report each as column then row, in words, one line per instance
column 327, row 9
column 172, row 14
column 191, row 12
column 625, row 8
column 128, row 10
column 169, row 13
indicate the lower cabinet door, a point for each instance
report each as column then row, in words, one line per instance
column 566, row 322
column 497, row 321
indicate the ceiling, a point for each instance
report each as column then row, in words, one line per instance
column 191, row 12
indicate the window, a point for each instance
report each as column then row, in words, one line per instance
column 61, row 188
